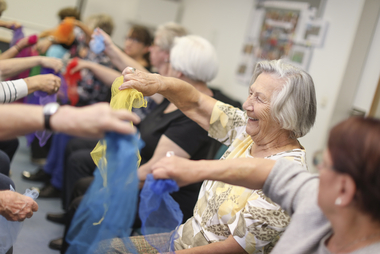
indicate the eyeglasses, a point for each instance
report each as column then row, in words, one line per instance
column 133, row 39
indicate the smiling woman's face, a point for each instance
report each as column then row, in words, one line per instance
column 260, row 123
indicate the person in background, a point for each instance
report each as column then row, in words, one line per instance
column 7, row 24
column 137, row 44
column 336, row 211
column 90, row 90
column 280, row 108
column 46, row 37
column 166, row 128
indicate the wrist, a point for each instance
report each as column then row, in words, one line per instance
column 31, row 84
column 50, row 109
column 17, row 47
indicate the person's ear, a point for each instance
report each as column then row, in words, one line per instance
column 347, row 190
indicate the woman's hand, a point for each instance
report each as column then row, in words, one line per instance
column 24, row 42
column 144, row 82
column 107, row 39
column 81, row 64
column 43, row 45
column 183, row 171
column 11, row 24
column 52, row 63
column 48, row 83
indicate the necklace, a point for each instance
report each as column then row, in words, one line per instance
column 368, row 237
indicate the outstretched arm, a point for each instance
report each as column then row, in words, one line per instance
column 118, row 57
column 194, row 104
column 164, row 145
column 11, row 67
column 103, row 73
column 247, row 172
column 15, row 49
column 87, row 31
column 81, row 122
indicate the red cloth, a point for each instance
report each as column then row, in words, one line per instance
column 72, row 80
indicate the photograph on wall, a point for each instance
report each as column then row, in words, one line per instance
column 299, row 56
column 270, row 36
column 315, row 31
column 280, row 30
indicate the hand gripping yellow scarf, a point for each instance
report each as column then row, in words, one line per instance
column 121, row 99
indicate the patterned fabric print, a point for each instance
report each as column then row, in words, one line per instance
column 116, row 245
column 90, row 89
column 222, row 209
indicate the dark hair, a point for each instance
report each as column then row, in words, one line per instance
column 69, row 12
column 143, row 35
column 354, row 145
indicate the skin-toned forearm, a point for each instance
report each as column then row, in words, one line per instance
column 103, row 73
column 20, row 120
column 87, row 31
column 194, row 104
column 247, row 172
column 224, row 247
column 122, row 60
column 12, row 67
column 9, row 53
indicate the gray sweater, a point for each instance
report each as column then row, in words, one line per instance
column 296, row 190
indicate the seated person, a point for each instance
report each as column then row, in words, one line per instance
column 280, row 108
column 193, row 59
column 335, row 212
column 90, row 90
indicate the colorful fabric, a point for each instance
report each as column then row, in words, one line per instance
column 142, row 246
column 97, row 44
column 249, row 216
column 125, row 99
column 159, row 213
column 109, row 206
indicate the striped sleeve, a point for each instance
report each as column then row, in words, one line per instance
column 12, row 90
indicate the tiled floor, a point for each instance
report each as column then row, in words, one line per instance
column 36, row 232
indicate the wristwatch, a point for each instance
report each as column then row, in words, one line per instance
column 49, row 110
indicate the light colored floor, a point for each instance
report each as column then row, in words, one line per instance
column 36, row 232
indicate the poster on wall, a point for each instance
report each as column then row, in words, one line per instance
column 280, row 29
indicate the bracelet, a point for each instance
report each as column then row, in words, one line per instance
column 17, row 48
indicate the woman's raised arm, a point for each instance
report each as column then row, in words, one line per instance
column 194, row 104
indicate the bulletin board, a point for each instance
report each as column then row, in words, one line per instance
column 287, row 30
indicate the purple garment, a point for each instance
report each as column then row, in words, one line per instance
column 17, row 35
column 44, row 99
column 25, row 52
column 55, row 160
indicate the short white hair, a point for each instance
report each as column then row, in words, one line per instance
column 295, row 105
column 195, row 57
column 166, row 33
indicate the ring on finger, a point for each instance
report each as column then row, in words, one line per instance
column 132, row 69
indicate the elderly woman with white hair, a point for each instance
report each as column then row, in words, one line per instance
column 281, row 107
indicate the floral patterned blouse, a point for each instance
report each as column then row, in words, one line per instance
column 255, row 222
